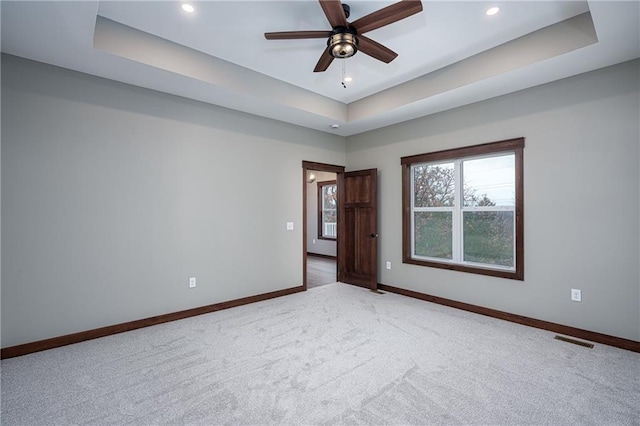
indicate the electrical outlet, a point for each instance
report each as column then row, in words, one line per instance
column 576, row 295
column 388, row 265
column 192, row 282
column 313, row 240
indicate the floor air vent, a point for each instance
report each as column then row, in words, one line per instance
column 575, row 342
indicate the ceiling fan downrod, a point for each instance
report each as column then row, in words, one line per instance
column 347, row 10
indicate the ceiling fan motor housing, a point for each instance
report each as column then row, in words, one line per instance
column 343, row 43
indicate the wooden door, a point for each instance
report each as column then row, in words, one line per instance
column 358, row 228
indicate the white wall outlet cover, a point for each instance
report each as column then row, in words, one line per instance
column 388, row 265
column 289, row 226
column 192, row 282
column 576, row 295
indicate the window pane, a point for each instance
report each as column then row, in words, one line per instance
column 329, row 196
column 329, row 212
column 329, row 216
column 488, row 237
column 433, row 234
column 433, row 185
column 489, row 181
column 329, row 223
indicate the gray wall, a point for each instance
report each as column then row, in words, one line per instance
column 113, row 196
column 582, row 198
column 314, row 245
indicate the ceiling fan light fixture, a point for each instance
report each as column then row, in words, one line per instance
column 343, row 45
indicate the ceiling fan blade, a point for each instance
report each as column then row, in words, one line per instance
column 387, row 15
column 324, row 61
column 334, row 13
column 375, row 49
column 288, row 35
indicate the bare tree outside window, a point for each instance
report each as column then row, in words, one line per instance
column 327, row 209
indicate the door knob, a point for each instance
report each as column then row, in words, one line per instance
column 374, row 235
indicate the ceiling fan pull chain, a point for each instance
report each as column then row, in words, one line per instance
column 344, row 73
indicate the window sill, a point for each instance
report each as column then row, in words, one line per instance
column 501, row 273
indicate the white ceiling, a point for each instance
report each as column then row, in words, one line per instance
column 450, row 54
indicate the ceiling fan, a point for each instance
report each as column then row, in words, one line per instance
column 345, row 38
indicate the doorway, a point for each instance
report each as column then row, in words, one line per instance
column 322, row 226
column 320, row 223
column 354, row 225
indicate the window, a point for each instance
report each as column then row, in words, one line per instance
column 327, row 210
column 463, row 209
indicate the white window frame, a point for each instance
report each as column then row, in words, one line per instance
column 457, row 213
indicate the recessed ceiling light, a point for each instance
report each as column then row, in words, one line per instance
column 335, row 126
column 348, row 79
column 188, row 8
column 493, row 10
